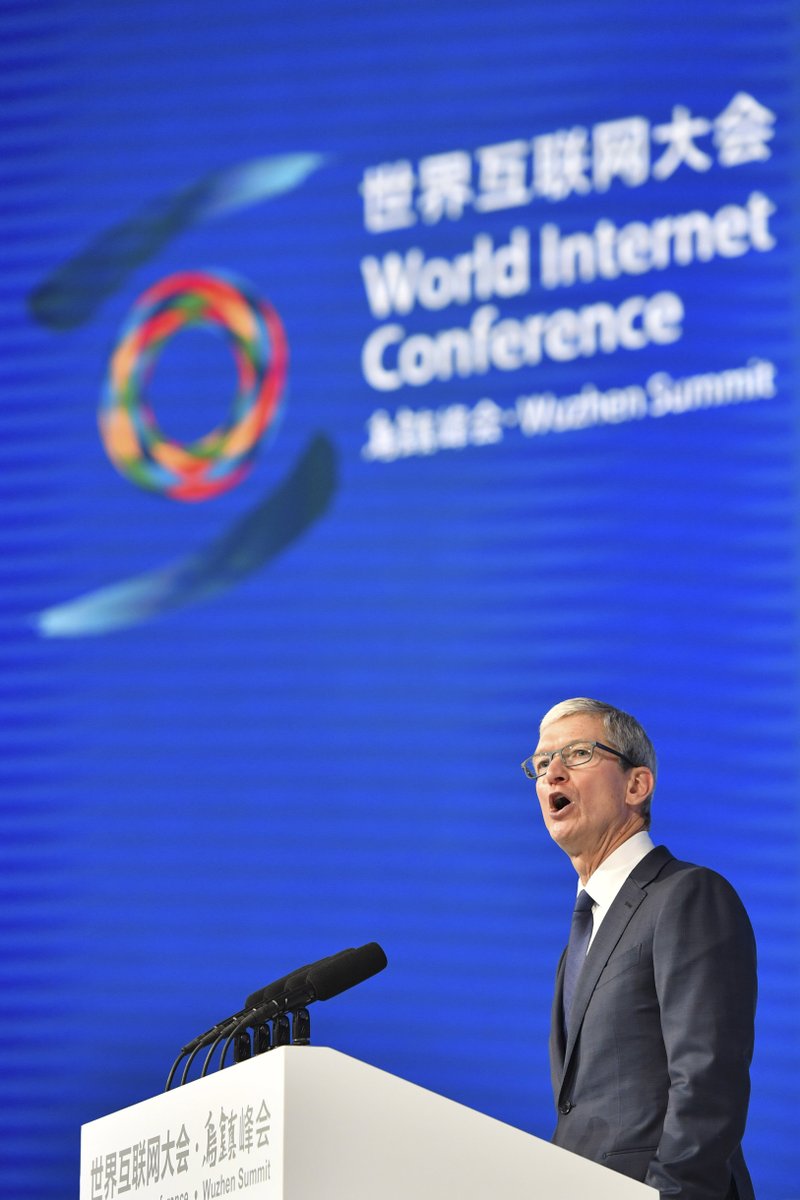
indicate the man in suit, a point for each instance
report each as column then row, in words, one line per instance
column 650, row 1062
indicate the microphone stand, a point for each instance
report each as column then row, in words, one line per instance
column 242, row 1049
column 263, row 1039
column 280, row 1031
column 301, row 1028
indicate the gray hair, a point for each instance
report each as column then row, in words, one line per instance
column 624, row 734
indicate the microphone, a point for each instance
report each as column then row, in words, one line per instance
column 321, row 980
column 253, row 1015
column 346, row 970
column 325, row 979
column 271, row 992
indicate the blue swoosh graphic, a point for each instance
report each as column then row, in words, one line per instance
column 252, row 541
column 76, row 289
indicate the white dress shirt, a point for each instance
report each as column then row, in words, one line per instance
column 609, row 877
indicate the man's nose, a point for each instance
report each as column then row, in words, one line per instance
column 556, row 768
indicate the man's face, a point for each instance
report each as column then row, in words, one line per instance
column 600, row 803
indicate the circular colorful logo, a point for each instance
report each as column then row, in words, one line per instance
column 128, row 426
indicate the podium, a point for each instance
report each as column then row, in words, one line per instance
column 309, row 1123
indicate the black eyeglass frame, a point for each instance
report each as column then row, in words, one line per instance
column 532, row 773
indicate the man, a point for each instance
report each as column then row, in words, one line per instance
column 650, row 1064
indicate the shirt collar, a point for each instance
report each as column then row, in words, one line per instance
column 609, row 877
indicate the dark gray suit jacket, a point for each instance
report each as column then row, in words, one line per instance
column 653, row 1080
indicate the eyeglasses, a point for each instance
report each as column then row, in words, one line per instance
column 576, row 754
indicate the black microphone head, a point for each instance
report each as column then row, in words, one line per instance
column 287, row 983
column 345, row 970
column 273, row 991
column 265, row 994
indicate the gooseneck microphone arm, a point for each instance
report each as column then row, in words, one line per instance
column 252, row 1017
column 236, row 1027
column 193, row 1047
column 172, row 1071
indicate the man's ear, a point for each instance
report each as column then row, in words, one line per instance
column 640, row 785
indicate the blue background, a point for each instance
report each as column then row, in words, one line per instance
column 327, row 754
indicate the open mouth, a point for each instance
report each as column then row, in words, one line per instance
column 559, row 802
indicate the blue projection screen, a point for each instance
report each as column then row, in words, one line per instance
column 374, row 377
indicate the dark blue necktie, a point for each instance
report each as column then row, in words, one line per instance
column 578, row 944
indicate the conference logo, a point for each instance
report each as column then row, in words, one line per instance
column 129, row 426
column 218, row 461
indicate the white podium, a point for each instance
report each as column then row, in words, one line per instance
column 308, row 1123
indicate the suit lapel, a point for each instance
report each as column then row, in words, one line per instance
column 615, row 922
column 557, row 1041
